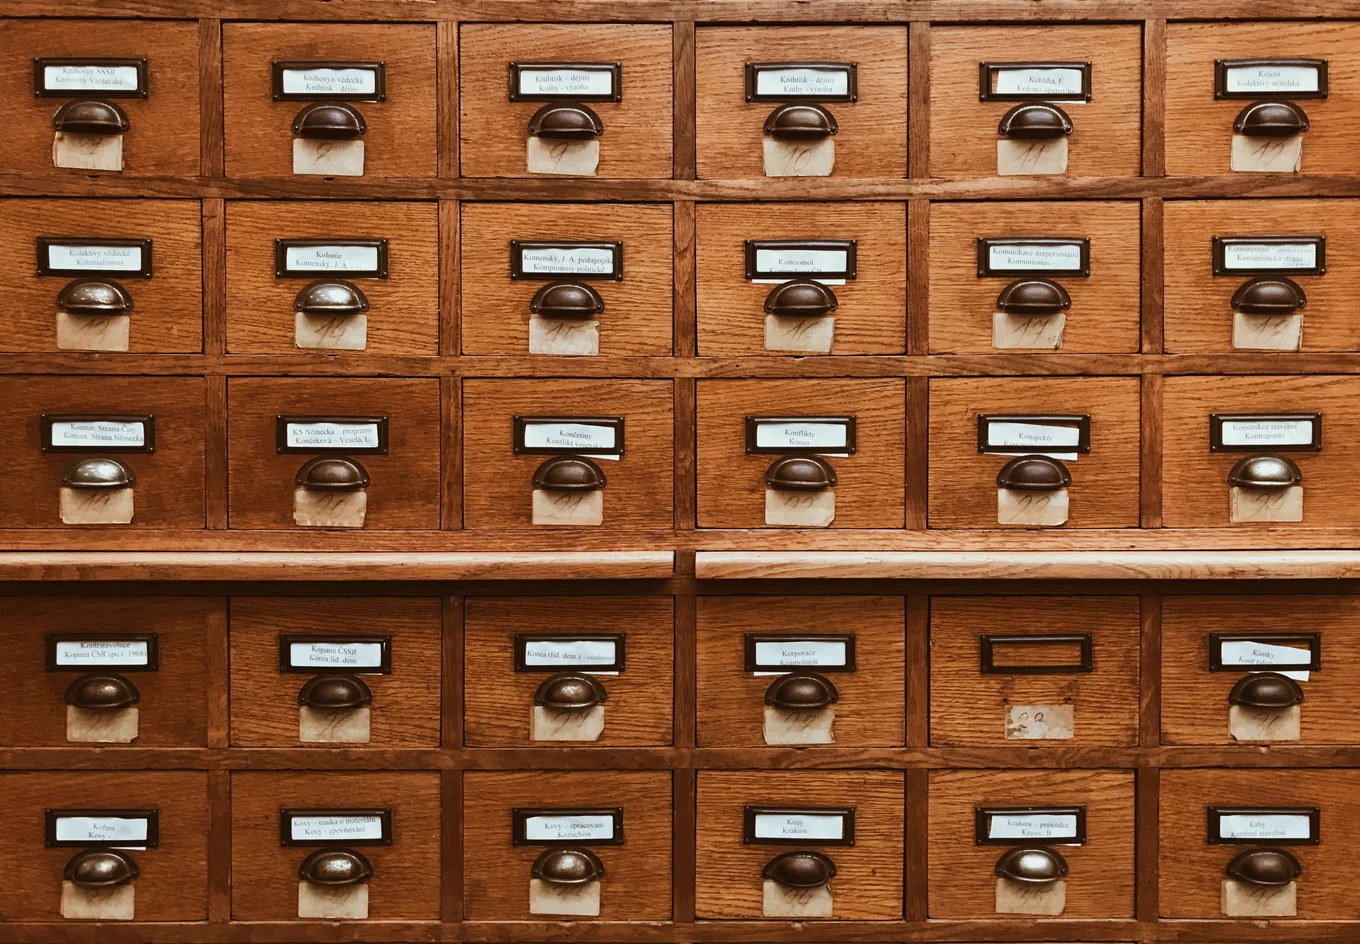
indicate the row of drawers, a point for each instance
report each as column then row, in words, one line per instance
column 1040, row 672
column 854, row 829
column 599, row 98
column 1019, row 452
column 583, row 279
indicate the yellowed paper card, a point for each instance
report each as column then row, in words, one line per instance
column 337, row 902
column 814, row 726
column 96, row 506
column 1267, row 332
column 1021, row 508
column 323, row 508
column 116, row 903
column 330, row 333
column 780, row 901
column 799, row 158
column 1040, row 722
column 1024, row 898
column 549, row 724
column 92, row 726
column 1011, row 332
column 799, row 335
column 573, row 509
column 1246, row 723
column 1245, row 900
column 795, row 508
column 93, row 332
column 1267, row 504
column 1267, row 155
column 87, row 151
column 570, row 158
column 341, row 726
column 582, row 901
column 1031, row 157
column 564, row 336
column 328, row 158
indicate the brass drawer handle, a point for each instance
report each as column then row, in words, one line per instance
column 1266, row 690
column 334, row 473
column 801, row 298
column 98, row 472
column 801, row 691
column 334, row 693
column 567, row 121
column 329, row 121
column 1268, row 867
column 335, row 867
column 1271, row 119
column 569, row 474
column 94, row 297
column 1269, row 295
column 101, row 868
column 570, row 691
column 566, row 300
column 800, row 473
column 1032, row 865
column 102, row 691
column 1034, row 121
column 90, row 116
column 797, row 121
column 1034, row 474
column 570, row 866
column 803, row 869
column 331, row 297
column 1033, row 297
column 1264, row 472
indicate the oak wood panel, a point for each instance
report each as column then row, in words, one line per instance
column 166, row 311
column 637, row 130
column 1101, row 872
column 173, row 880
column 1105, row 311
column 872, row 136
column 163, row 128
column 1105, row 139
column 872, row 313
column 636, row 885
column 731, row 701
column 1199, row 129
column 637, row 310
column 497, row 490
column 731, row 484
column 264, row 880
column 401, row 136
column 403, row 314
column 499, row 702
column 404, row 484
column 405, row 709
column 1199, row 313
column 868, row 883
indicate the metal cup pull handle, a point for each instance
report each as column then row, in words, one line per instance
column 331, row 298
column 334, row 693
column 1034, row 474
column 567, row 866
column 1264, row 472
column 798, row 121
column 801, row 691
column 801, row 298
column 98, row 472
column 1031, row 865
column 90, row 116
column 332, row 473
column 1035, row 121
column 1033, row 298
column 1271, row 119
column 568, row 474
column 566, row 121
column 570, row 691
column 1266, row 690
column 1266, row 867
column 333, row 121
column 803, row 869
column 102, row 691
column 566, row 300
column 1269, row 295
column 94, row 297
column 335, row 867
column 100, row 868
column 800, row 473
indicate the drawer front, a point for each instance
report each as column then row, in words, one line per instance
column 635, row 140
column 769, row 677
column 964, row 491
column 517, row 650
column 964, row 878
column 1034, row 671
column 871, row 130
column 868, row 489
column 738, row 307
column 1073, row 288
column 291, row 311
column 264, row 872
column 172, row 879
column 162, row 125
column 379, row 657
column 498, row 880
column 159, row 313
column 1218, row 299
column 1200, row 125
column 504, row 313
column 1196, row 492
column 1193, row 871
column 399, row 140
column 1213, row 647
column 867, row 884
column 1105, row 136
column 403, row 480
column 498, row 484
column 165, row 486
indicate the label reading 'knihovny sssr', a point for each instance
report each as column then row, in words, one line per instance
column 90, row 77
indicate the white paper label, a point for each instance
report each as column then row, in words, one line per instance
column 1032, row 257
column 803, row 826
column 324, row 435
column 1038, row 82
column 1264, row 79
column 791, row 83
column 800, row 261
column 99, row 433
column 795, row 652
column 1032, row 436
column 568, row 83
column 583, row 260
column 569, row 652
column 326, row 828
column 339, row 82
column 73, row 257
column 89, row 78
column 1270, row 255
column 568, row 828
column 1264, row 826
column 582, row 437
column 1250, row 654
column 1032, row 826
column 101, row 829
column 331, row 258
column 802, row 436
column 108, row 652
column 1267, row 432
column 335, row 655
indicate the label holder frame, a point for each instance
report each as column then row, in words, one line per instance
column 148, row 421
column 40, row 64
column 1220, row 252
column 754, row 422
column 615, row 69
column 282, row 244
column 982, row 817
column 750, row 247
column 1313, row 640
column 50, row 641
column 286, row 667
column 984, row 263
column 751, row 80
column 986, row 70
column 152, row 815
column 1080, row 421
column 1221, row 67
column 522, row 422
column 277, row 67
column 751, row 664
column 1216, row 421
column 748, row 825
column 1214, row 825
column 520, row 815
column 282, row 421
column 287, row 815
column 44, row 245
column 517, row 247
column 522, row 640
column 987, row 643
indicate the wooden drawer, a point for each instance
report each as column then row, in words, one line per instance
column 403, row 472
column 1199, row 123
column 964, row 491
column 396, row 102
column 164, row 291
column 1105, row 136
column 1193, row 869
column 972, row 812
column 264, row 871
column 1211, row 645
column 868, row 486
column 85, row 414
column 498, row 482
column 1034, row 671
column 865, row 805
column 53, row 643
column 283, row 305
column 1001, row 274
column 1195, row 489
column 517, row 648
column 763, row 680
column 636, row 296
column 172, row 880
column 633, row 807
column 740, row 295
column 1206, row 281
column 632, row 104
column 870, row 116
column 161, row 60
column 381, row 651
